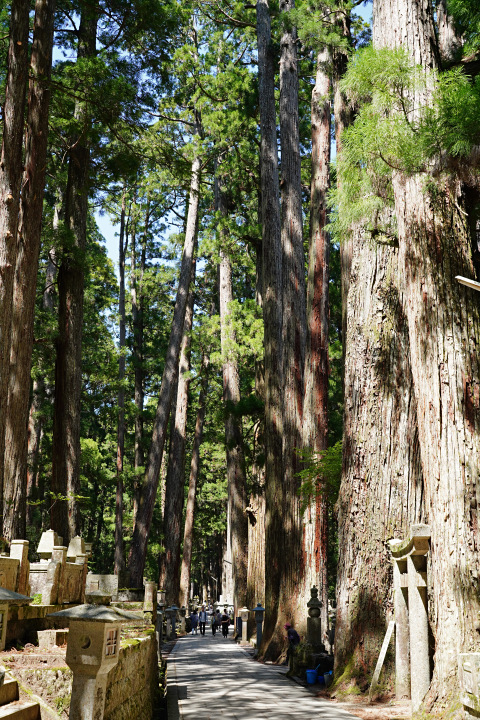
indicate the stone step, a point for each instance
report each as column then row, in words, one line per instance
column 8, row 691
column 21, row 711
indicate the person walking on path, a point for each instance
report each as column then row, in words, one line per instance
column 293, row 640
column 194, row 621
column 202, row 619
column 225, row 623
column 213, row 623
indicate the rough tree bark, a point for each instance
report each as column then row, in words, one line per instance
column 294, row 570
column 175, row 481
column 119, row 561
column 10, row 178
column 65, row 517
column 315, row 426
column 192, row 487
column 150, row 482
column 25, row 286
column 137, row 300
column 256, row 510
column 435, row 245
column 235, row 456
column 42, row 392
column 272, row 318
column 381, row 492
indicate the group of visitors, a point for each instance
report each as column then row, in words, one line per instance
column 217, row 620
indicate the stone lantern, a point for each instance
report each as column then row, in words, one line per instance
column 314, row 622
column 7, row 598
column 244, row 616
column 259, row 614
column 92, row 650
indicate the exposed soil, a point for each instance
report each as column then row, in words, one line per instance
column 381, row 709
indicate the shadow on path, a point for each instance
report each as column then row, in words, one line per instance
column 212, row 678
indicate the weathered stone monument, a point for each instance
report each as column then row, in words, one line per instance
column 150, row 603
column 314, row 622
column 412, row 662
column 55, row 578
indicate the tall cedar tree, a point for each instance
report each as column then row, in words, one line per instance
column 192, row 487
column 435, row 245
column 315, row 426
column 175, row 480
column 272, row 318
column 29, row 232
column 65, row 518
column 119, row 561
column 11, row 170
column 236, row 480
column 148, row 493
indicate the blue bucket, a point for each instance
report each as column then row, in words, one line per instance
column 311, row 676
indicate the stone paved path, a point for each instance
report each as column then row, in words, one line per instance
column 214, row 679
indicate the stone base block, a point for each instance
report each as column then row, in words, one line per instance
column 49, row 638
column 8, row 691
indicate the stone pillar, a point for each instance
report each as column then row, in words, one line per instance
column 259, row 614
column 82, row 559
column 418, row 618
column 402, row 664
column 159, row 633
column 150, row 603
column 244, row 612
column 19, row 551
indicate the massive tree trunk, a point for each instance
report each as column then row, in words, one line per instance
column 272, row 318
column 256, row 510
column 119, row 563
column 443, row 321
column 136, row 282
column 175, row 481
column 10, row 178
column 315, row 426
column 381, row 492
column 295, row 578
column 150, row 483
column 235, row 456
column 42, row 393
column 65, row 516
column 192, row 487
column 29, row 231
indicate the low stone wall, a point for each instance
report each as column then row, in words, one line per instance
column 132, row 687
column 25, row 621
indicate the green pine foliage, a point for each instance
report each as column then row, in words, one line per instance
column 407, row 118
